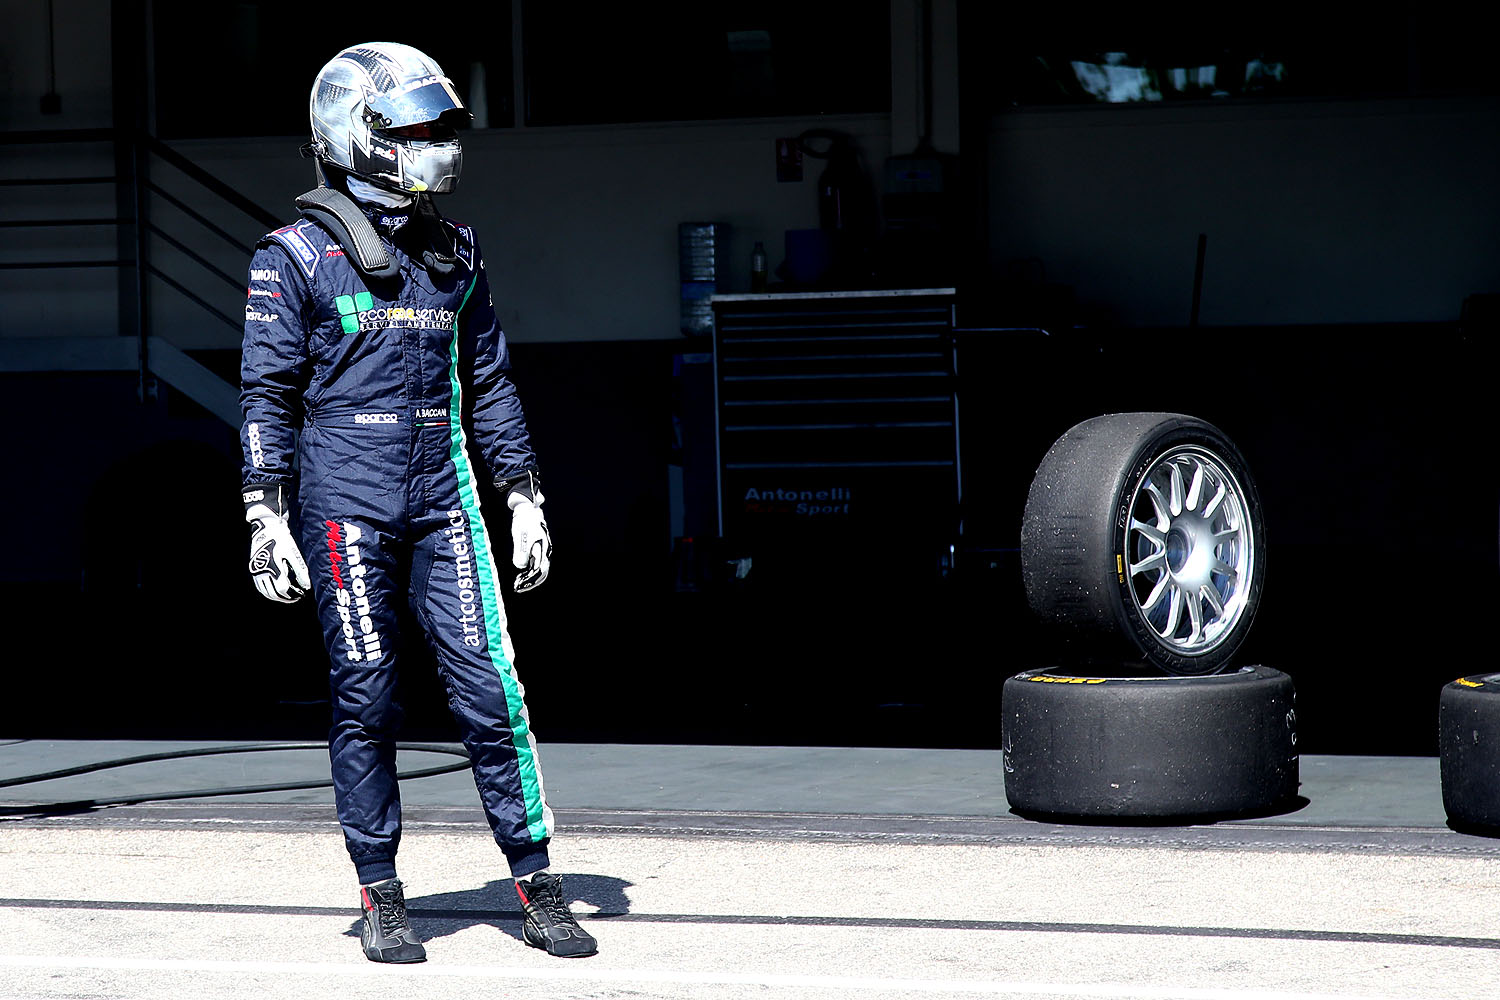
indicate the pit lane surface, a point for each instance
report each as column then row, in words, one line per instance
column 1362, row 893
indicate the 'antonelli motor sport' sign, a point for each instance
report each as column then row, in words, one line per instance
column 832, row 501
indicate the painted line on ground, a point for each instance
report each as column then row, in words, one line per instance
column 420, row 912
column 909, row 829
column 582, row 972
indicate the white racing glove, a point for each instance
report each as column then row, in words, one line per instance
column 531, row 545
column 276, row 565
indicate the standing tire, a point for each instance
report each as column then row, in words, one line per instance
column 1469, row 750
column 1143, row 537
column 1149, row 747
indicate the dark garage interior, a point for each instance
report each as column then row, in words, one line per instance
column 1285, row 227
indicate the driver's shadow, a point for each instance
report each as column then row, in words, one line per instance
column 496, row 904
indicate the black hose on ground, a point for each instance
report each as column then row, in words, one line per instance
column 80, row 805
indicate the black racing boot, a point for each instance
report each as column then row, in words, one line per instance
column 385, row 932
column 549, row 924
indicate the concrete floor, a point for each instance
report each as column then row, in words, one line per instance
column 775, row 872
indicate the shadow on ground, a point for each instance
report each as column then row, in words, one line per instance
column 495, row 904
column 1296, row 804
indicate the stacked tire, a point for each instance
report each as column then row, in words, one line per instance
column 1143, row 549
column 1469, row 752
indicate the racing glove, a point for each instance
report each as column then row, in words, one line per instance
column 531, row 544
column 276, row 565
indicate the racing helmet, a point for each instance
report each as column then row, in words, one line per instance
column 385, row 112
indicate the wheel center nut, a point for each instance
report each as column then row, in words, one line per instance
column 1179, row 548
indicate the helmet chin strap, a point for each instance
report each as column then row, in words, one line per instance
column 365, row 191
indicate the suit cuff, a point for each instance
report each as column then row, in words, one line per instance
column 526, row 483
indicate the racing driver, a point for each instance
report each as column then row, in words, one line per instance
column 370, row 333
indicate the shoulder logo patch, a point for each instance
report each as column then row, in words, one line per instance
column 465, row 246
column 292, row 238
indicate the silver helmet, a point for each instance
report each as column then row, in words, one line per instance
column 385, row 112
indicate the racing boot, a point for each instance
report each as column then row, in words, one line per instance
column 549, row 924
column 385, row 932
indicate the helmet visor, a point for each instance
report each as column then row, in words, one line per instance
column 431, row 99
column 437, row 131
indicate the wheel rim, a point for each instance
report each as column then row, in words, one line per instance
column 1190, row 550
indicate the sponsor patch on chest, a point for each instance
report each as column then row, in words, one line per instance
column 360, row 313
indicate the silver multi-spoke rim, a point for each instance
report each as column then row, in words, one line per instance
column 1190, row 550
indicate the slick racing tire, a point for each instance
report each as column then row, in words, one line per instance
column 1149, row 747
column 1143, row 538
column 1469, row 751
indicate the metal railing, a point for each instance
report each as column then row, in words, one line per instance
column 135, row 153
column 48, row 136
column 225, row 193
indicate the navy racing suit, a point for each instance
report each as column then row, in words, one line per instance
column 384, row 380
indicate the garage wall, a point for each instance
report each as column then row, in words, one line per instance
column 1371, row 212
column 578, row 225
column 1316, row 212
column 81, row 64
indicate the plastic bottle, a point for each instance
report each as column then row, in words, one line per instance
column 758, row 267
